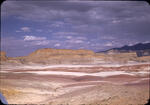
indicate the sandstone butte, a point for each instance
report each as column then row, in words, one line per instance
column 53, row 56
column 53, row 52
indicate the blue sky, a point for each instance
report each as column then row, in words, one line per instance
column 94, row 25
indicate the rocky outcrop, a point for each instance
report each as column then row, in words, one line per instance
column 4, row 60
column 3, row 56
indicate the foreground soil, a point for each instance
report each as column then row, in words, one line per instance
column 21, row 87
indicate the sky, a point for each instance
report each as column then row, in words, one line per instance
column 72, row 24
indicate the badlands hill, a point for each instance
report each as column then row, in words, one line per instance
column 68, row 56
column 46, row 52
column 59, row 56
column 53, row 56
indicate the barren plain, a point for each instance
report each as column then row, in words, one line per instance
column 103, row 83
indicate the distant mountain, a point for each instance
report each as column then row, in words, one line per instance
column 136, row 47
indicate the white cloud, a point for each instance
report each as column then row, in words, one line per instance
column 44, row 42
column 57, row 24
column 25, row 29
column 57, row 45
column 78, row 41
column 108, row 44
column 69, row 37
column 75, row 41
column 116, row 21
column 65, row 33
column 31, row 38
column 146, row 42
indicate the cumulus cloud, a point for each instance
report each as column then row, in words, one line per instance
column 116, row 21
column 65, row 33
column 31, row 38
column 108, row 44
column 57, row 24
column 146, row 41
column 69, row 37
column 25, row 29
column 78, row 41
column 90, row 24
column 57, row 45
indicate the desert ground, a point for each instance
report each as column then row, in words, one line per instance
column 75, row 52
column 76, row 84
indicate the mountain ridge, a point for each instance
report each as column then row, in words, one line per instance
column 127, row 48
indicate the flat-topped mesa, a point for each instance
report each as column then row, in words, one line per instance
column 60, row 56
column 51, row 56
column 3, row 56
column 55, row 52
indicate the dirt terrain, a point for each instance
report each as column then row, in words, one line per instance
column 75, row 77
column 76, row 85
